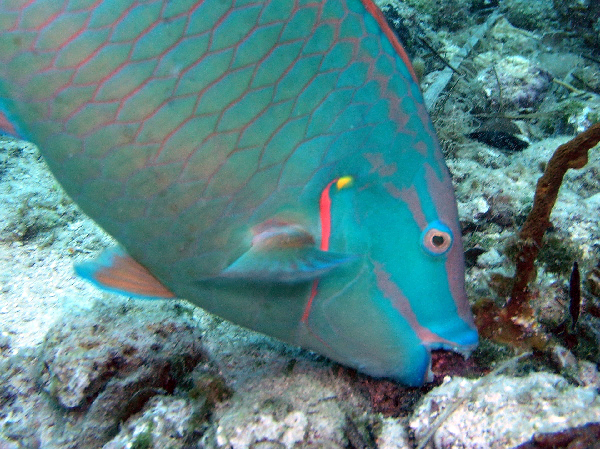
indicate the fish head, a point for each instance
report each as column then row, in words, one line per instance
column 404, row 296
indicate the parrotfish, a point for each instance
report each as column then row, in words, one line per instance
column 271, row 161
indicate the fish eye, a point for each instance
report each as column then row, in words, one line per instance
column 436, row 238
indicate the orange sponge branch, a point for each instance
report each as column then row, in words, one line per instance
column 573, row 154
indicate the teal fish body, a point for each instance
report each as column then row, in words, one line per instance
column 270, row 161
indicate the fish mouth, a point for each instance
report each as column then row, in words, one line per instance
column 463, row 346
column 464, row 350
column 462, row 339
column 447, row 358
column 452, row 358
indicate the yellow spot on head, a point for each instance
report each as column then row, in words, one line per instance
column 344, row 181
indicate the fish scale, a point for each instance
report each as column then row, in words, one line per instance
column 209, row 138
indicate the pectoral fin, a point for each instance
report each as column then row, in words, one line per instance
column 118, row 272
column 284, row 253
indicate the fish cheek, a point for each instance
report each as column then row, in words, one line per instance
column 361, row 328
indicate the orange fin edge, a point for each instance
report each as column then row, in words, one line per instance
column 118, row 272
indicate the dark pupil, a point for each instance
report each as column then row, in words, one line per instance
column 437, row 240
